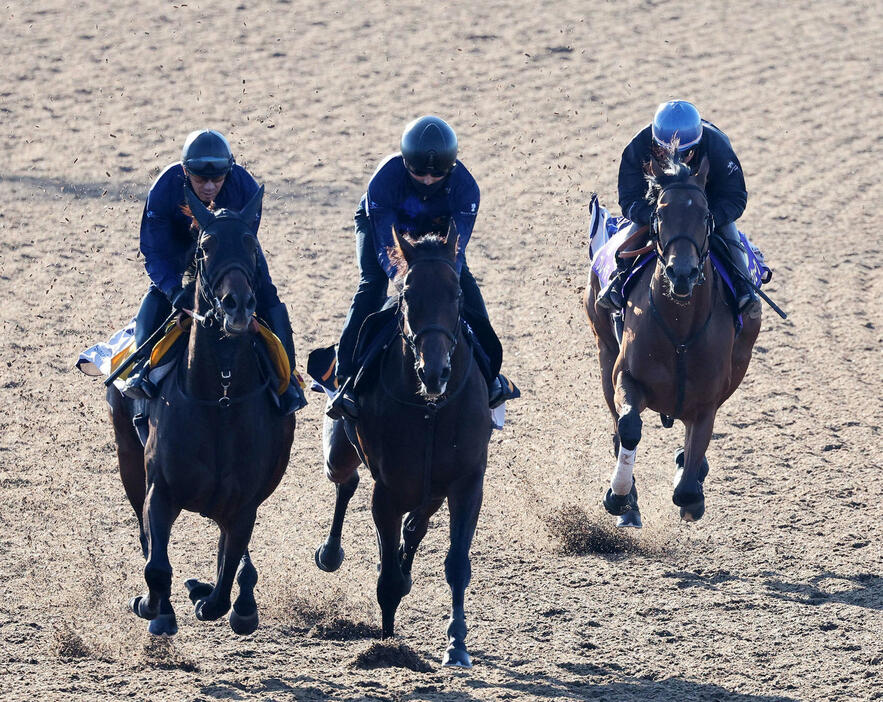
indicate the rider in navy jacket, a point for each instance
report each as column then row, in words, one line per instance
column 418, row 190
column 679, row 121
column 168, row 243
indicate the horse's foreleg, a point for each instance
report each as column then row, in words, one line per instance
column 464, row 504
column 341, row 468
column 244, row 615
column 159, row 515
column 622, row 497
column 688, row 491
column 607, row 359
column 235, row 542
column 413, row 531
column 390, row 582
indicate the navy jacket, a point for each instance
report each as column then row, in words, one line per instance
column 725, row 187
column 167, row 240
column 393, row 198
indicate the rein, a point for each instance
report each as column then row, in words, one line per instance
column 654, row 227
column 681, row 347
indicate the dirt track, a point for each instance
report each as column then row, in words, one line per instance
column 776, row 595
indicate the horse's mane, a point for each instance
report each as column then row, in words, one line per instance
column 673, row 171
column 428, row 245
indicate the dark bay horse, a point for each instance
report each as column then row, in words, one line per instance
column 680, row 353
column 423, row 431
column 216, row 443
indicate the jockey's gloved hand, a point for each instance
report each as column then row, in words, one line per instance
column 181, row 297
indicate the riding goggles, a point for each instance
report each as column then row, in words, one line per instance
column 208, row 166
column 423, row 172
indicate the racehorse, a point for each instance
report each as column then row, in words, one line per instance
column 423, row 431
column 681, row 354
column 216, row 443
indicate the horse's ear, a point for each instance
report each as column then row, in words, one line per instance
column 451, row 239
column 403, row 244
column 702, row 173
column 250, row 211
column 200, row 212
column 655, row 168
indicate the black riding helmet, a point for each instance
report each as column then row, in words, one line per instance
column 207, row 154
column 429, row 146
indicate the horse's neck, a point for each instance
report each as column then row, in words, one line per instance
column 683, row 318
column 209, row 354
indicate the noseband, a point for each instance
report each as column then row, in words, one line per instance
column 413, row 337
column 654, row 226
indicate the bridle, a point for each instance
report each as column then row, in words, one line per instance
column 411, row 337
column 209, row 282
column 654, row 228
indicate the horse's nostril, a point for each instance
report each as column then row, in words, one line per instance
column 445, row 374
column 251, row 303
column 229, row 303
column 694, row 274
column 670, row 271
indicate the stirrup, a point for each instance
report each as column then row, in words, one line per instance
column 138, row 385
column 343, row 404
column 503, row 389
column 292, row 399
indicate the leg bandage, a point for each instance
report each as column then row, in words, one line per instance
column 621, row 482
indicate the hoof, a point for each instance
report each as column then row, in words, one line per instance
column 328, row 559
column 197, row 590
column 632, row 519
column 243, row 624
column 693, row 512
column 457, row 658
column 208, row 611
column 163, row 625
column 139, row 606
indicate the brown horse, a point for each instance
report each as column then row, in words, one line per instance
column 216, row 443
column 423, row 431
column 680, row 353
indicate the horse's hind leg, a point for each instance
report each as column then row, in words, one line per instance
column 688, row 492
column 413, row 531
column 341, row 467
column 622, row 497
column 159, row 514
column 390, row 582
column 130, row 455
column 464, row 504
column 235, row 542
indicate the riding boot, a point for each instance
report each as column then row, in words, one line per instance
column 610, row 297
column 153, row 310
column 345, row 402
column 501, row 390
column 746, row 298
column 293, row 398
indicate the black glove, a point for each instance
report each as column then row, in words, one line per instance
column 182, row 297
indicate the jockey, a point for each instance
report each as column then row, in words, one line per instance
column 168, row 241
column 725, row 189
column 418, row 190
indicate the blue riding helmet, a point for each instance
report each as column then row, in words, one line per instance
column 429, row 146
column 677, row 119
column 207, row 154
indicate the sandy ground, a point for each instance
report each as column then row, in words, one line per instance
column 776, row 595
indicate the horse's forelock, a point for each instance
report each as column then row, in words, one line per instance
column 427, row 246
column 673, row 171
